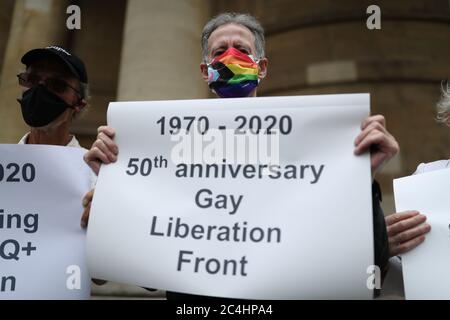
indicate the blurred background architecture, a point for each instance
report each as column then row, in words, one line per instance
column 150, row 50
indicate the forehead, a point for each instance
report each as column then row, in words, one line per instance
column 231, row 33
column 51, row 65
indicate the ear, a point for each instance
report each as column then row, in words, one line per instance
column 204, row 71
column 80, row 106
column 262, row 68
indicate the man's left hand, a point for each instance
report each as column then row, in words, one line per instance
column 378, row 140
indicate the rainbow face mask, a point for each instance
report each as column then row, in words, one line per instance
column 233, row 74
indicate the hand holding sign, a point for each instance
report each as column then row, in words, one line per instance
column 104, row 150
column 221, row 227
column 374, row 136
column 406, row 230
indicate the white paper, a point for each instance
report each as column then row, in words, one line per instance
column 426, row 268
column 50, row 209
column 326, row 228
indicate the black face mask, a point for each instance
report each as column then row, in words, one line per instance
column 41, row 106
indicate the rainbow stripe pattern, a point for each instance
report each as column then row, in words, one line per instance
column 233, row 74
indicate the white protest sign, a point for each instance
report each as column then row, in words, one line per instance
column 297, row 225
column 42, row 246
column 426, row 268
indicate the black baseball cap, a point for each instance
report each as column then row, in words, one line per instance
column 74, row 63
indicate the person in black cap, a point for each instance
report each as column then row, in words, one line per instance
column 54, row 90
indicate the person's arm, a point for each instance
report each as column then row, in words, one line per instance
column 84, row 221
column 382, row 145
column 380, row 237
column 375, row 138
column 407, row 229
column 103, row 150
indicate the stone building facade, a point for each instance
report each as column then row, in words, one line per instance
column 150, row 50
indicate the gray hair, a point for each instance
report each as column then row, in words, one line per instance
column 245, row 20
column 84, row 90
column 443, row 106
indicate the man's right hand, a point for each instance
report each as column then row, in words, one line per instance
column 103, row 150
column 406, row 230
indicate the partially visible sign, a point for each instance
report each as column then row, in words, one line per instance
column 426, row 268
column 42, row 246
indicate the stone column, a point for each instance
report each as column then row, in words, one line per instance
column 35, row 23
column 99, row 44
column 161, row 50
column 160, row 60
column 6, row 8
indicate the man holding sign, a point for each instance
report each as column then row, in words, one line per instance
column 233, row 65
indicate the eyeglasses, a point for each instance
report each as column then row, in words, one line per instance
column 55, row 85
